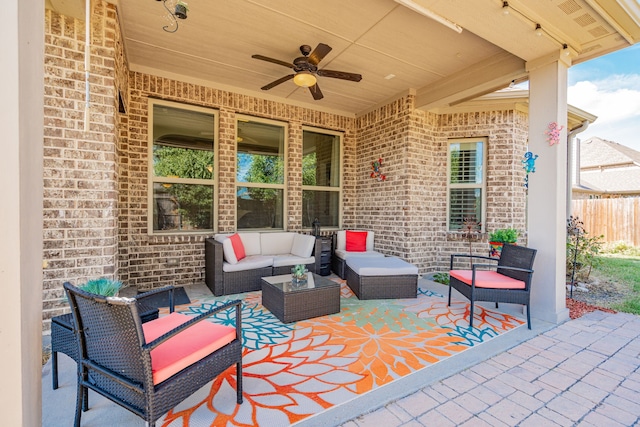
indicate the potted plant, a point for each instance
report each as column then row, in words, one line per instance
column 102, row 286
column 299, row 274
column 181, row 9
column 499, row 237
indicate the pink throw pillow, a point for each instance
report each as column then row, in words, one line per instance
column 356, row 241
column 238, row 247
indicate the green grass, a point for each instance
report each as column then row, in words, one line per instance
column 624, row 269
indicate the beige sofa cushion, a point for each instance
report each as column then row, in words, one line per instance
column 276, row 243
column 303, row 245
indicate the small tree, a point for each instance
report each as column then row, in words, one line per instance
column 582, row 251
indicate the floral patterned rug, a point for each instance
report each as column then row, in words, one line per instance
column 293, row 371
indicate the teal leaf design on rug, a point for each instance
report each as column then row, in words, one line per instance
column 259, row 328
column 380, row 314
column 472, row 336
column 429, row 293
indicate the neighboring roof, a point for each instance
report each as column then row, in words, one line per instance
column 622, row 180
column 598, row 153
column 608, row 167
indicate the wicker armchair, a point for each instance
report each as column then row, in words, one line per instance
column 149, row 368
column 63, row 333
column 508, row 281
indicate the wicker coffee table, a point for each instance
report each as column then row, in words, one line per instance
column 291, row 303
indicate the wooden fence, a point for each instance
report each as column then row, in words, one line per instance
column 616, row 219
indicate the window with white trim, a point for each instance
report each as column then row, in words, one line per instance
column 182, row 162
column 260, row 174
column 321, row 177
column 466, row 183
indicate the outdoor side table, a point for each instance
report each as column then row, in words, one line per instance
column 63, row 337
column 290, row 302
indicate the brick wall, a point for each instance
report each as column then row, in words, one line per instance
column 147, row 256
column 80, row 193
column 408, row 210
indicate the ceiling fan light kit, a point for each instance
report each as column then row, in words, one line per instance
column 304, row 79
column 306, row 70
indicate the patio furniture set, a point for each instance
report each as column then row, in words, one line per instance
column 262, row 261
column 149, row 364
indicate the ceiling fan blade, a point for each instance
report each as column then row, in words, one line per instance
column 318, row 53
column 275, row 61
column 316, row 92
column 277, row 82
column 340, row 75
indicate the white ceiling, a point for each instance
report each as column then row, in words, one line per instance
column 375, row 38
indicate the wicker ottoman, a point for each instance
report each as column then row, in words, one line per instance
column 382, row 278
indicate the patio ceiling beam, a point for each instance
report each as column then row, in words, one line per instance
column 481, row 78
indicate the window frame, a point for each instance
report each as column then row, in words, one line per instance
column 153, row 179
column 283, row 186
column 482, row 186
column 337, row 189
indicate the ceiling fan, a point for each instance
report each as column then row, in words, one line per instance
column 306, row 69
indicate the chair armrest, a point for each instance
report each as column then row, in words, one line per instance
column 213, row 259
column 169, row 289
column 454, row 256
column 237, row 303
column 502, row 266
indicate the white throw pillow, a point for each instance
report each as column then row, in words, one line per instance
column 303, row 245
column 229, row 253
column 251, row 242
column 276, row 243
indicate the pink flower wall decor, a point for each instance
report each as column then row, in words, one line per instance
column 375, row 170
column 553, row 133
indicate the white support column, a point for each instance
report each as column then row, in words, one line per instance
column 21, row 121
column 547, row 187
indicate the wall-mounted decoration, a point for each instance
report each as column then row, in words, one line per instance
column 553, row 133
column 376, row 172
column 529, row 165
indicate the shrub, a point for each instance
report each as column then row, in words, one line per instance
column 504, row 235
column 621, row 248
column 581, row 250
column 441, row 278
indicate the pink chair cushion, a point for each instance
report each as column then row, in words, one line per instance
column 488, row 279
column 187, row 347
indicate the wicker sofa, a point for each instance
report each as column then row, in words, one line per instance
column 266, row 254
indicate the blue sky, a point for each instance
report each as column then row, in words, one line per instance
column 609, row 87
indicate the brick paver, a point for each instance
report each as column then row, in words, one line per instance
column 584, row 372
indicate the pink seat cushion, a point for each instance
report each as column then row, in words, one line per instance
column 186, row 348
column 488, row 279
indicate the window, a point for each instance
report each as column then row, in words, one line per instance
column 466, row 181
column 321, row 189
column 260, row 174
column 182, row 168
